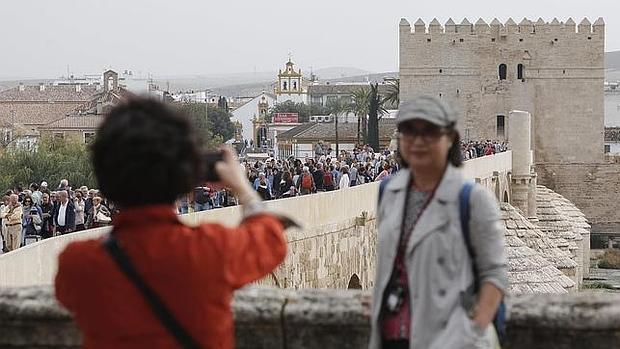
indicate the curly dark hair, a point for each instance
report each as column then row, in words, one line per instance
column 146, row 153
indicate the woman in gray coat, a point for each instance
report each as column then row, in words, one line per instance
column 424, row 295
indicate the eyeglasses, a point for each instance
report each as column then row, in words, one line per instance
column 429, row 134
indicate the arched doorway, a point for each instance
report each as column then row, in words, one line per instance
column 354, row 283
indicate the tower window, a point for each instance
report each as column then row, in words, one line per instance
column 440, row 71
column 520, row 40
column 502, row 71
column 295, row 85
column 428, row 40
column 461, row 40
column 520, row 72
column 492, row 39
column 284, row 87
column 501, row 119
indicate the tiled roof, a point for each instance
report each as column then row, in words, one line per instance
column 89, row 122
column 35, row 113
column 108, row 100
column 60, row 93
column 326, row 131
column 36, row 106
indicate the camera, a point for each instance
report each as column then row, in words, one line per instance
column 210, row 159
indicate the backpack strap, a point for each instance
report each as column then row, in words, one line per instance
column 163, row 314
column 464, row 197
column 382, row 186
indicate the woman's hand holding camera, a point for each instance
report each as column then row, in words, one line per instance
column 231, row 175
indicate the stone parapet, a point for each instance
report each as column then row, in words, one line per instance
column 275, row 318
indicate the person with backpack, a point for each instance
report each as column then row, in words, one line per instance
column 306, row 182
column 328, row 179
column 441, row 269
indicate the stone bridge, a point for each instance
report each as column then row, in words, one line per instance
column 335, row 247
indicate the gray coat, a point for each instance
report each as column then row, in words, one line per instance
column 439, row 268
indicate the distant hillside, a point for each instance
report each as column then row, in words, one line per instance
column 612, row 60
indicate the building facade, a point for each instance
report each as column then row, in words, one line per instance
column 552, row 69
column 290, row 85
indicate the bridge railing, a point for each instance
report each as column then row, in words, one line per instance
column 317, row 319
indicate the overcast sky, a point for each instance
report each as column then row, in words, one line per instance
column 40, row 38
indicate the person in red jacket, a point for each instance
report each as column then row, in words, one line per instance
column 145, row 156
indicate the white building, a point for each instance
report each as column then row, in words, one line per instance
column 255, row 107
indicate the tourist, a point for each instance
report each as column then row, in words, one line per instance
column 64, row 215
column 263, row 190
column 345, row 182
column 422, row 252
column 13, row 215
column 28, row 222
column 3, row 205
column 201, row 199
column 36, row 193
column 353, row 174
column 193, row 269
column 80, row 206
column 99, row 215
column 47, row 214
column 305, row 182
column 385, row 173
column 317, row 176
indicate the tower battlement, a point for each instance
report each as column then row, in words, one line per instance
column 510, row 27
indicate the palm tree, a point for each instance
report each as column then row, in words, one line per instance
column 392, row 96
column 359, row 107
column 375, row 110
column 336, row 108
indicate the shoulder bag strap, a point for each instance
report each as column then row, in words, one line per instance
column 164, row 315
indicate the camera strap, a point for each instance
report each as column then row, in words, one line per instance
column 163, row 314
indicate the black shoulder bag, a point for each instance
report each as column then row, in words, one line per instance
column 164, row 315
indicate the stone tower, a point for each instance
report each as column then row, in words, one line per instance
column 110, row 81
column 554, row 70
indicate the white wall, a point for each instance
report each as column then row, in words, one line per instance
column 245, row 113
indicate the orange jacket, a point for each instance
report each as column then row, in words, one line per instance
column 193, row 270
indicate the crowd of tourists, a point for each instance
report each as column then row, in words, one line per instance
column 38, row 213
column 283, row 178
column 28, row 215
column 476, row 149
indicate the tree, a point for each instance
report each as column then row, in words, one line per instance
column 375, row 110
column 213, row 129
column 359, row 107
column 220, row 124
column 392, row 96
column 336, row 108
column 54, row 159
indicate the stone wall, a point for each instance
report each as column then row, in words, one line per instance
column 272, row 318
column 593, row 188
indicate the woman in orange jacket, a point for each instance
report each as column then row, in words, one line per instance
column 144, row 157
